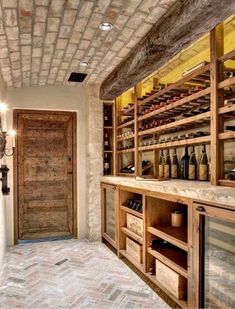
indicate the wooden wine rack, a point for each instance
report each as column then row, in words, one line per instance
column 213, row 92
column 110, row 131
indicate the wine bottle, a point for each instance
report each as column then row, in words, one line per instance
column 161, row 165
column 203, row 165
column 106, row 117
column 174, row 165
column 167, row 166
column 192, row 175
column 106, row 142
column 106, row 164
column 185, row 164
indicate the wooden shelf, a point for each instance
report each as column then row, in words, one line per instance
column 227, row 183
column 175, row 124
column 227, row 82
column 174, row 235
column 180, row 143
column 172, row 258
column 126, row 150
column 120, row 139
column 126, row 124
column 229, row 56
column 227, row 109
column 181, row 303
column 108, row 127
column 134, row 236
column 131, row 211
column 133, row 261
column 177, row 84
column 108, row 151
column 126, row 174
column 178, row 103
column 227, row 135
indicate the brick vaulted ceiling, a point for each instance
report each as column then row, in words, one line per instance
column 43, row 41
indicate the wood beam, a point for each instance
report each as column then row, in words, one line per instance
column 183, row 24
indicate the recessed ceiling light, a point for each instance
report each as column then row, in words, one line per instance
column 106, row 26
column 84, row 64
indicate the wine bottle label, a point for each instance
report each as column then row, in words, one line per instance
column 167, row 171
column 106, row 165
column 192, row 172
column 106, row 143
column 174, row 171
column 161, row 171
column 105, row 117
column 203, row 171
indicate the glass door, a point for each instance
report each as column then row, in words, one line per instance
column 216, row 257
column 109, row 213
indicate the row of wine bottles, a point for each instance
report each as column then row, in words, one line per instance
column 187, row 168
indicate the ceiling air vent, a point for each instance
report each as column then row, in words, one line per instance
column 77, row 77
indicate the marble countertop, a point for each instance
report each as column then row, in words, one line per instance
column 195, row 190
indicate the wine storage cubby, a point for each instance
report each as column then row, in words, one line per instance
column 154, row 234
column 132, row 228
column 108, row 136
column 195, row 111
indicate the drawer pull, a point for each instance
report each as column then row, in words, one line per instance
column 200, row 208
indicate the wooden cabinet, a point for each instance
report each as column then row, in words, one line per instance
column 196, row 258
column 214, row 256
column 109, row 213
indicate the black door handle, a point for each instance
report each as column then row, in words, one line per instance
column 200, row 208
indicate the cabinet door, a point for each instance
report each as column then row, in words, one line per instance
column 215, row 230
column 109, row 224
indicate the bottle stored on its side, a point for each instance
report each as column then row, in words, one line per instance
column 203, row 165
column 106, row 164
column 192, row 175
column 174, row 165
column 106, row 142
column 167, row 166
column 106, row 117
column 158, row 243
column 161, row 165
column 185, row 164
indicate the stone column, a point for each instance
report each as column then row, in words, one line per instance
column 94, row 161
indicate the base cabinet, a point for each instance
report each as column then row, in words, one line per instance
column 214, row 257
column 191, row 261
column 109, row 213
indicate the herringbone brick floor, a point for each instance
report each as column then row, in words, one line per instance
column 71, row 274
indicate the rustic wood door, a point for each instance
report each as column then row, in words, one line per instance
column 45, row 166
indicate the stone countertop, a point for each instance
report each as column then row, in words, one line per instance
column 195, row 190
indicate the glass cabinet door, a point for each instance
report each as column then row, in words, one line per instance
column 108, row 205
column 217, row 257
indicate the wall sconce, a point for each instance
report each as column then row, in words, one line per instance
column 4, row 150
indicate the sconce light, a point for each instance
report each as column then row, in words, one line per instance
column 4, row 150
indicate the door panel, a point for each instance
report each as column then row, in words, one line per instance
column 45, row 173
column 214, row 257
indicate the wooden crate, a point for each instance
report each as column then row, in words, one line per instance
column 134, row 249
column 135, row 224
column 172, row 281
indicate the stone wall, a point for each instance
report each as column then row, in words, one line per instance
column 94, row 162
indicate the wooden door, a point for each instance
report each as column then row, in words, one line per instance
column 45, row 173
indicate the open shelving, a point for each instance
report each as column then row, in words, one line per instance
column 108, row 131
column 156, row 216
column 158, row 115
